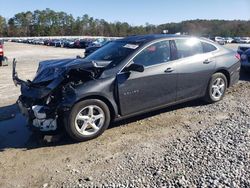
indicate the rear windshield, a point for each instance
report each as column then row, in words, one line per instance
column 114, row 52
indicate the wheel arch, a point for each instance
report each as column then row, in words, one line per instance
column 226, row 73
column 111, row 106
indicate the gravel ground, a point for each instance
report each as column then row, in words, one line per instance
column 188, row 145
column 216, row 155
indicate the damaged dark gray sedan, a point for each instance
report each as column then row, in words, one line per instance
column 124, row 78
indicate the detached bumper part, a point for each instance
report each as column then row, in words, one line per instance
column 40, row 120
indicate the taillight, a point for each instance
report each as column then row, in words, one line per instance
column 237, row 56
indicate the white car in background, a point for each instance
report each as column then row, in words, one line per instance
column 229, row 39
column 220, row 40
column 245, row 39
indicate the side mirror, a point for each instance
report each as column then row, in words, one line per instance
column 135, row 67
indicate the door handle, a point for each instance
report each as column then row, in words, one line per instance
column 168, row 70
column 207, row 61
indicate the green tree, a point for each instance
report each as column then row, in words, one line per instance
column 49, row 23
column 3, row 27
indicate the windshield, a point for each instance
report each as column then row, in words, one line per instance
column 114, row 52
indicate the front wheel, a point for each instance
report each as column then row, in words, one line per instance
column 216, row 88
column 88, row 119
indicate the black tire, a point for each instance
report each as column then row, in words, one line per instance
column 71, row 127
column 209, row 97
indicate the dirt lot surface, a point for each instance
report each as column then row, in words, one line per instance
column 28, row 57
column 188, row 145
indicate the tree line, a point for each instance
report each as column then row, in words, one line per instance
column 51, row 23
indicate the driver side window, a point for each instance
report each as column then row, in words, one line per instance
column 154, row 54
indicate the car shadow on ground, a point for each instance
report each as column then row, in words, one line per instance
column 193, row 103
column 14, row 133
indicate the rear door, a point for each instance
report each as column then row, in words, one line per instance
column 194, row 67
column 154, row 87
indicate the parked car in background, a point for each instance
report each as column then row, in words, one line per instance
column 245, row 40
column 72, row 43
column 98, row 42
column 93, row 48
column 63, row 42
column 41, row 42
column 59, row 43
column 220, row 40
column 229, row 40
column 244, row 52
column 46, row 42
column 124, row 78
column 77, row 43
column 68, row 43
column 84, row 43
column 236, row 40
column 52, row 42
column 81, row 43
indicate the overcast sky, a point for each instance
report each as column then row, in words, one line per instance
column 137, row 12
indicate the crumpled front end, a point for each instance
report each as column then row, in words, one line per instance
column 42, row 102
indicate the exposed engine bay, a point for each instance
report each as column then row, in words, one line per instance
column 41, row 99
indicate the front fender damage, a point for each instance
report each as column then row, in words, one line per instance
column 42, row 102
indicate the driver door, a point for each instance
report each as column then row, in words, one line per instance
column 155, row 86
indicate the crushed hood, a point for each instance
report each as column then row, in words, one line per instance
column 51, row 69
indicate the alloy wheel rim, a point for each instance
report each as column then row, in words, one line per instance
column 89, row 120
column 218, row 88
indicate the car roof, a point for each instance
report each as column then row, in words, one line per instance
column 148, row 38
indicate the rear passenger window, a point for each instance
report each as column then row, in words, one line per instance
column 154, row 54
column 188, row 47
column 208, row 47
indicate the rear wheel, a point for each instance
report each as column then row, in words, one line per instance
column 216, row 88
column 88, row 119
